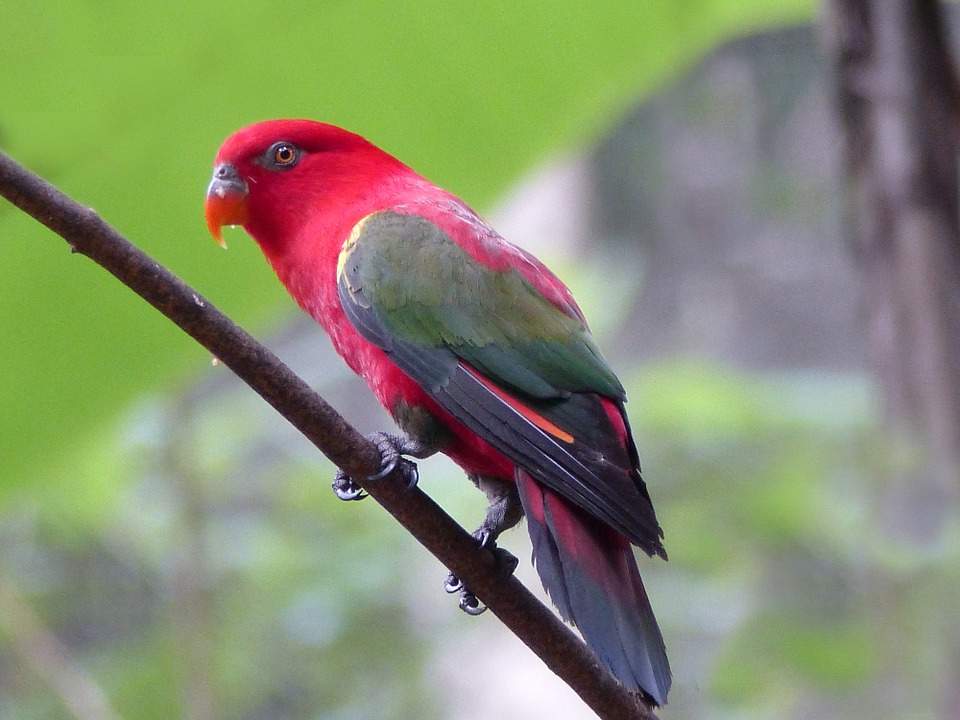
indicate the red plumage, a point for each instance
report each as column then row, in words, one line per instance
column 354, row 178
column 302, row 218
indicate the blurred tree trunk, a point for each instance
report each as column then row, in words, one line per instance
column 38, row 648
column 897, row 104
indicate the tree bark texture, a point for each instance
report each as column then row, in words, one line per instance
column 897, row 101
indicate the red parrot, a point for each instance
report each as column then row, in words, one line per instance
column 476, row 349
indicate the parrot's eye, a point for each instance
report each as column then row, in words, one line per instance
column 282, row 155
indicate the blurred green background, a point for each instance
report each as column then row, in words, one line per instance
column 170, row 548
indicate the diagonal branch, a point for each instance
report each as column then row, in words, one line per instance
column 539, row 628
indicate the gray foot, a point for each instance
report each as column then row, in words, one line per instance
column 392, row 449
column 506, row 564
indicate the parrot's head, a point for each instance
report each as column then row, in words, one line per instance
column 271, row 176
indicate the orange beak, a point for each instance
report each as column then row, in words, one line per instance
column 226, row 202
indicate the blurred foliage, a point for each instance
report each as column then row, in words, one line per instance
column 226, row 565
column 182, row 542
column 124, row 105
column 777, row 516
column 780, row 599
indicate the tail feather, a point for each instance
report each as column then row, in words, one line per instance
column 591, row 575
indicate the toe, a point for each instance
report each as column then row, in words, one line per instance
column 410, row 473
column 506, row 561
column 470, row 604
column 349, row 492
column 452, row 584
column 386, row 467
column 345, row 488
column 484, row 538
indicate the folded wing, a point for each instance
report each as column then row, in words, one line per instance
column 492, row 350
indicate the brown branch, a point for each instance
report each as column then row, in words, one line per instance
column 539, row 628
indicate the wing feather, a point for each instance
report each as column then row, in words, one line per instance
column 494, row 374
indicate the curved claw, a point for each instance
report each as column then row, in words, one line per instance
column 346, row 489
column 452, row 584
column 386, row 469
column 484, row 538
column 354, row 493
column 506, row 563
column 470, row 604
column 391, row 453
column 412, row 472
column 391, row 458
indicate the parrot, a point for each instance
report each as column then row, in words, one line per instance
column 476, row 350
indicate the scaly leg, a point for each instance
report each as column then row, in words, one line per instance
column 392, row 449
column 503, row 512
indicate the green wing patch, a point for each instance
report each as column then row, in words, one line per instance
column 534, row 392
column 424, row 289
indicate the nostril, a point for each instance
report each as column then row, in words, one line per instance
column 226, row 179
column 225, row 171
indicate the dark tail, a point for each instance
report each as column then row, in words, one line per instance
column 591, row 575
